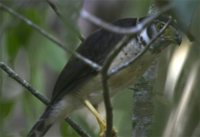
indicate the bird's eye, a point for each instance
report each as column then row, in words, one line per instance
column 160, row 26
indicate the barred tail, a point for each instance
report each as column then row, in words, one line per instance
column 42, row 125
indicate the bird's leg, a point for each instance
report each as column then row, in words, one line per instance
column 100, row 120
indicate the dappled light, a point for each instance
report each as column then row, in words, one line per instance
column 175, row 68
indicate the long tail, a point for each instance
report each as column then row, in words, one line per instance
column 43, row 124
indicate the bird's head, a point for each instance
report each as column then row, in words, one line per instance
column 171, row 35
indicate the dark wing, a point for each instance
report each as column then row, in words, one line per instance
column 96, row 48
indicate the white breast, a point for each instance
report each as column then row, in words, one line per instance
column 92, row 90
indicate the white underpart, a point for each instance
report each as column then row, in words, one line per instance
column 92, row 90
column 145, row 36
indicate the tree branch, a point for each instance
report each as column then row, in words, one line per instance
column 131, row 30
column 106, row 74
column 36, row 93
column 56, row 10
column 23, row 82
column 50, row 37
column 106, row 94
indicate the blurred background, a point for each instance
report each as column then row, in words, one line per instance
column 174, row 96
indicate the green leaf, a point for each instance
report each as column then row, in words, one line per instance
column 13, row 43
column 6, row 107
column 31, row 107
column 52, row 55
column 18, row 35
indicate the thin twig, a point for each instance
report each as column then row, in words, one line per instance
column 50, row 37
column 125, row 65
column 56, row 10
column 131, row 30
column 23, row 82
column 76, row 127
column 106, row 94
column 36, row 93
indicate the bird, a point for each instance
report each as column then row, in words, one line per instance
column 78, row 83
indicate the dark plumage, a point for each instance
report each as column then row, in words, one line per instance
column 96, row 48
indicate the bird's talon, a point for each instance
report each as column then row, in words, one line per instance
column 103, row 131
column 114, row 132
